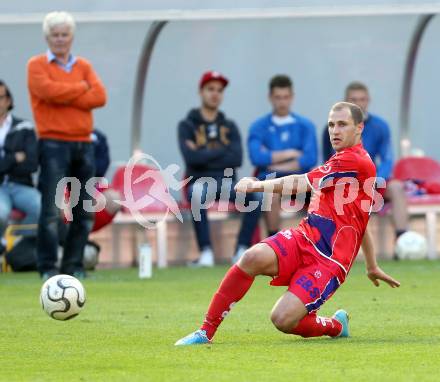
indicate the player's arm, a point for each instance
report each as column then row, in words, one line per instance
column 285, row 185
column 374, row 272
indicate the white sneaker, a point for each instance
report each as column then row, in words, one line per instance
column 240, row 251
column 206, row 259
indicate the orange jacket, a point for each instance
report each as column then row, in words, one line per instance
column 62, row 102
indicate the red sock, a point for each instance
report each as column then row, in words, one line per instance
column 316, row 326
column 233, row 287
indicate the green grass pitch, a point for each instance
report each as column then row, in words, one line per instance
column 128, row 328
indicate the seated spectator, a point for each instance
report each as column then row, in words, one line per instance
column 18, row 161
column 281, row 143
column 211, row 147
column 376, row 139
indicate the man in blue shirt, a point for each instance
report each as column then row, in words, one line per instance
column 376, row 139
column 281, row 142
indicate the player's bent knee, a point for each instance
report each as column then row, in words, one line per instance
column 283, row 322
column 249, row 260
column 255, row 260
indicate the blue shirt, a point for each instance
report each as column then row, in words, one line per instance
column 66, row 67
column 266, row 135
column 376, row 139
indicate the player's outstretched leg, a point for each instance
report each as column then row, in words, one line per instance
column 290, row 315
column 258, row 260
column 233, row 287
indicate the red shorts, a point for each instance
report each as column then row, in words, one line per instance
column 308, row 275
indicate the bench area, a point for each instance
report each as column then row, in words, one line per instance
column 173, row 242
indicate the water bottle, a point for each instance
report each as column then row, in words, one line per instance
column 145, row 261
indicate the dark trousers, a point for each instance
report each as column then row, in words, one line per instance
column 59, row 159
column 200, row 192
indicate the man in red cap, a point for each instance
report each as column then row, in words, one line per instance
column 212, row 75
column 211, row 148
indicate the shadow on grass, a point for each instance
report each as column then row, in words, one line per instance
column 356, row 341
column 290, row 341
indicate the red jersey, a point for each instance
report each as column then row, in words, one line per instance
column 341, row 205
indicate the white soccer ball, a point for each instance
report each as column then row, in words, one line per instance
column 62, row 297
column 411, row 246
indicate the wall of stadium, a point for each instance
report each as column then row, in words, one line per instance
column 322, row 56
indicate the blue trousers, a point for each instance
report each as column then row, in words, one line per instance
column 23, row 198
column 201, row 193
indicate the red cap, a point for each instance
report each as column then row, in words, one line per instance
column 211, row 76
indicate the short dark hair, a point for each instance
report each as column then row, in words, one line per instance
column 355, row 85
column 355, row 111
column 280, row 81
column 8, row 94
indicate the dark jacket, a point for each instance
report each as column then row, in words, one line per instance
column 21, row 137
column 102, row 152
column 218, row 145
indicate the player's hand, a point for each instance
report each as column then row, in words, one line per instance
column 375, row 274
column 245, row 185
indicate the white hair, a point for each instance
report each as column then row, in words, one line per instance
column 58, row 18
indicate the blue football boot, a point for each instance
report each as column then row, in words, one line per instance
column 342, row 316
column 197, row 338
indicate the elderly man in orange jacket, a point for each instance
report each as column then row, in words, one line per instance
column 64, row 89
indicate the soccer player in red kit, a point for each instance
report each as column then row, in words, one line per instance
column 313, row 259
